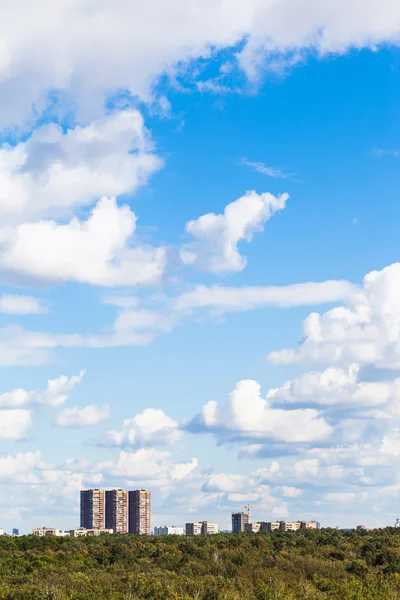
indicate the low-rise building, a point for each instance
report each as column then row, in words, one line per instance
column 201, row 528
column 288, row 525
column 169, row 530
column 49, row 531
column 254, row 527
column 82, row 532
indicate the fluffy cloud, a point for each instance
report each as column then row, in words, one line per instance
column 14, row 424
column 18, row 468
column 248, row 416
column 366, row 329
column 54, row 172
column 341, row 388
column 152, row 427
column 82, row 417
column 216, row 237
column 96, row 251
column 222, row 482
column 55, row 394
column 147, row 464
column 122, row 46
column 12, row 304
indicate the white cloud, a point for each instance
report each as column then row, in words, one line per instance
column 14, row 424
column 18, row 468
column 147, row 464
column 82, row 417
column 248, row 416
column 56, row 393
column 152, row 427
column 227, row 483
column 264, row 169
column 12, row 304
column 128, row 45
column 53, row 172
column 366, row 329
column 221, row 299
column 216, row 237
column 341, row 388
column 97, row 251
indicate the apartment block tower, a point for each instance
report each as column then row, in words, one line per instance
column 92, row 509
column 117, row 510
column 239, row 520
column 139, row 512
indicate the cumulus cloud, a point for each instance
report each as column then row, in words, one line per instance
column 248, row 416
column 122, row 46
column 223, row 482
column 54, row 172
column 82, row 417
column 365, row 329
column 216, row 237
column 342, row 389
column 147, row 464
column 13, row 304
column 151, row 427
column 96, row 251
column 55, row 394
column 14, row 424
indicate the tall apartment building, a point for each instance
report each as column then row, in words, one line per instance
column 139, row 512
column 117, row 510
column 239, row 520
column 92, row 509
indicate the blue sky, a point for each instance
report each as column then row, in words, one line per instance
column 198, row 258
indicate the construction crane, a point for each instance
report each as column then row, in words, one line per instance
column 248, row 508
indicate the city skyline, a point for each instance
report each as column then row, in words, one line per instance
column 199, row 262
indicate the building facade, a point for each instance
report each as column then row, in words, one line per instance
column 239, row 520
column 254, row 527
column 116, row 510
column 288, row 525
column 169, row 530
column 201, row 528
column 139, row 512
column 92, row 509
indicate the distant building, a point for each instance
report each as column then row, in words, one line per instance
column 239, row 520
column 49, row 531
column 169, row 530
column 139, row 512
column 92, row 509
column 288, row 525
column 117, row 511
column 361, row 528
column 201, row 528
column 1, row 531
column 81, row 532
column 254, row 527
column 15, row 531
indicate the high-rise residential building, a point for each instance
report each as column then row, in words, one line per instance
column 117, row 511
column 239, row 521
column 139, row 512
column 92, row 509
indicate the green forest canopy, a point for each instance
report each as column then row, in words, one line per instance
column 362, row 565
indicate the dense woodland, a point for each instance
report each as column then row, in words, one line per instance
column 362, row 565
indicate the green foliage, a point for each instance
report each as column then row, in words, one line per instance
column 303, row 565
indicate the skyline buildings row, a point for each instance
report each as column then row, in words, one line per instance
column 120, row 510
